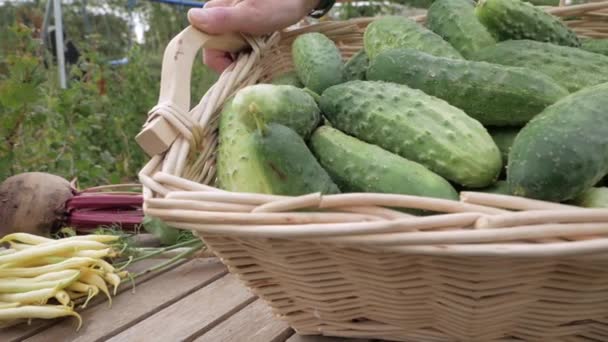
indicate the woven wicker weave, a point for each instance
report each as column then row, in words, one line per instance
column 487, row 267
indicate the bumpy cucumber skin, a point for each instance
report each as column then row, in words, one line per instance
column 593, row 198
column 285, row 104
column 416, row 126
column 517, row 19
column 235, row 171
column 562, row 152
column 287, row 78
column 503, row 138
column 599, row 46
column 317, row 61
column 357, row 166
column 390, row 32
column 493, row 94
column 356, row 67
column 572, row 68
column 288, row 164
column 276, row 161
column 455, row 21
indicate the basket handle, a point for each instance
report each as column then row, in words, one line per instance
column 170, row 116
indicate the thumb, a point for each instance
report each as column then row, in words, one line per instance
column 218, row 20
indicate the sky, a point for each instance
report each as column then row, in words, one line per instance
column 139, row 23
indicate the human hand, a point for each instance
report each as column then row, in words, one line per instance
column 256, row 17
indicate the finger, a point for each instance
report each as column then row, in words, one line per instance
column 217, row 60
column 239, row 18
column 263, row 17
column 216, row 20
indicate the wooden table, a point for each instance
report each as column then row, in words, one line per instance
column 195, row 301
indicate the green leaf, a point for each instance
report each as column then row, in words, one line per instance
column 167, row 235
column 16, row 95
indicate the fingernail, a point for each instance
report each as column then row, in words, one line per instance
column 198, row 15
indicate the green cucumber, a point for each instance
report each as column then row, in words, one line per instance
column 595, row 45
column 561, row 153
column 501, row 187
column 272, row 159
column 287, row 164
column 233, row 152
column 287, row 78
column 517, row 19
column 357, row 166
column 455, row 21
column 356, row 66
column 592, row 198
column 416, row 126
column 285, row 104
column 493, row 94
column 503, row 138
column 572, row 68
column 390, row 32
column 317, row 61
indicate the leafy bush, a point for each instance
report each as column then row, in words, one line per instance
column 86, row 131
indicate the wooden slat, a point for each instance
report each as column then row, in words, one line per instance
column 129, row 309
column 307, row 338
column 23, row 331
column 255, row 323
column 193, row 315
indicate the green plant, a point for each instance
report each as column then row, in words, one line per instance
column 87, row 130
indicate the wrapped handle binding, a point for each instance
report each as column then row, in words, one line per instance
column 170, row 116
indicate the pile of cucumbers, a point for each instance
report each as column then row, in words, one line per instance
column 494, row 95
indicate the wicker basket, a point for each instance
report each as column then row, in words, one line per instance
column 485, row 268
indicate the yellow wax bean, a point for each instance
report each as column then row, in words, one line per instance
column 71, row 263
column 94, row 279
column 63, row 297
column 30, row 297
column 51, row 249
column 29, row 284
column 38, row 311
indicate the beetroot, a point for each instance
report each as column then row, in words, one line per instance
column 33, row 202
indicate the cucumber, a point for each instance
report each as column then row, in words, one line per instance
column 561, row 153
column 390, row 32
column 233, row 152
column 493, row 94
column 595, row 45
column 455, row 21
column 272, row 159
column 357, row 166
column 593, row 198
column 503, row 138
column 317, row 61
column 287, row 78
column 572, row 68
column 517, row 19
column 356, row 66
column 285, row 104
column 501, row 187
column 416, row 126
column 286, row 163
